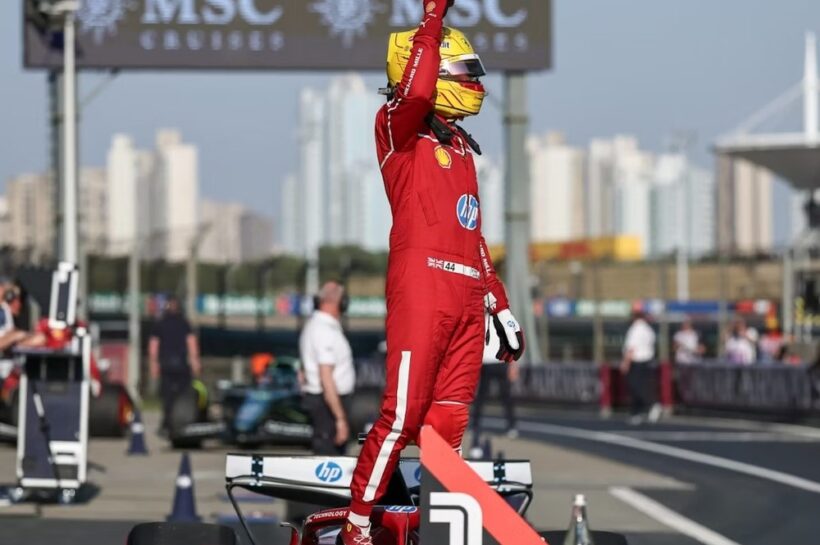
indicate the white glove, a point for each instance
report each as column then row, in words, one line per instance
column 510, row 335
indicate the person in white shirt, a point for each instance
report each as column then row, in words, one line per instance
column 638, row 366
column 688, row 348
column 329, row 373
column 739, row 348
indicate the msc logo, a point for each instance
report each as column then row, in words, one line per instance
column 467, row 212
column 443, row 157
column 100, row 17
column 462, row 513
column 329, row 472
column 347, row 18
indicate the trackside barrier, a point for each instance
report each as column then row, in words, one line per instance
column 666, row 386
column 762, row 389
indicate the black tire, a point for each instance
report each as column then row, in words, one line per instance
column 181, row 533
column 600, row 538
column 184, row 411
column 108, row 414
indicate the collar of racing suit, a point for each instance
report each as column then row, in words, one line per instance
column 445, row 131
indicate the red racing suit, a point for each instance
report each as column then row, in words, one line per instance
column 438, row 275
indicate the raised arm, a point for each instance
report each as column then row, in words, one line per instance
column 413, row 97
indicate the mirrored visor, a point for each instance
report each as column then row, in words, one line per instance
column 462, row 68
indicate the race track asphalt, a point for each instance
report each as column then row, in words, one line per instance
column 745, row 509
column 775, row 499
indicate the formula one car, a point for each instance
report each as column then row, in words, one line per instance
column 325, row 481
column 267, row 412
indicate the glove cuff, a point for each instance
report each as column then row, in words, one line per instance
column 496, row 300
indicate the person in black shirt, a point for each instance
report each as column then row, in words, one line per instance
column 173, row 355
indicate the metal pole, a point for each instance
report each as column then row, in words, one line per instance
column 597, row 320
column 134, row 346
column 517, row 208
column 69, row 193
column 191, row 286
column 56, row 137
column 787, row 306
column 663, row 329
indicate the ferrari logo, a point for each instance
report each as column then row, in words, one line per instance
column 443, row 157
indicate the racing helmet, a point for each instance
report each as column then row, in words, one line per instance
column 459, row 93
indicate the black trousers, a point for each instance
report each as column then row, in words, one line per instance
column 641, row 383
column 324, row 424
column 171, row 387
column 493, row 373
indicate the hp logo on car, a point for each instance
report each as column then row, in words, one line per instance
column 329, row 472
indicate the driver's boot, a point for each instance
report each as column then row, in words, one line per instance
column 352, row 534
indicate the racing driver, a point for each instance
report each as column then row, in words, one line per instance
column 440, row 277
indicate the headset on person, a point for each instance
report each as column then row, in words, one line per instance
column 11, row 295
column 343, row 304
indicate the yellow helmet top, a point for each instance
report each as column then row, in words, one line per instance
column 458, row 90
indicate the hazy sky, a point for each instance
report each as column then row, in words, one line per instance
column 646, row 67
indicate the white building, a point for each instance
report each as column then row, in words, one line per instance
column 556, row 190
column 744, row 208
column 491, row 194
column 617, row 189
column 256, row 236
column 153, row 196
column 31, row 214
column 291, row 227
column 633, row 183
column 311, row 202
column 222, row 242
column 177, row 174
column 122, row 174
column 5, row 223
column 93, row 210
column 683, row 208
column 338, row 196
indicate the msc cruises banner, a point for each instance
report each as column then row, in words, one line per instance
column 283, row 34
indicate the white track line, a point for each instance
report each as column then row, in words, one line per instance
column 666, row 450
column 716, row 436
column 669, row 518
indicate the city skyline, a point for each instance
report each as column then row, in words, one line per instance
column 677, row 83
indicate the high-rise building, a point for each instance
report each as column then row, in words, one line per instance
column 351, row 151
column 93, row 210
column 153, row 197
column 256, row 235
column 682, row 208
column 177, row 174
column 556, row 190
column 31, row 214
column 234, row 233
column 122, row 174
column 291, row 227
column 222, row 242
column 599, row 189
column 312, row 199
column 744, row 207
column 5, row 223
column 491, row 194
column 338, row 196
column 617, row 186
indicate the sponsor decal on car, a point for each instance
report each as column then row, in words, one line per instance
column 329, row 472
column 326, row 515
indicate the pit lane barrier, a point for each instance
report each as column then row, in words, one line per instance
column 761, row 389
